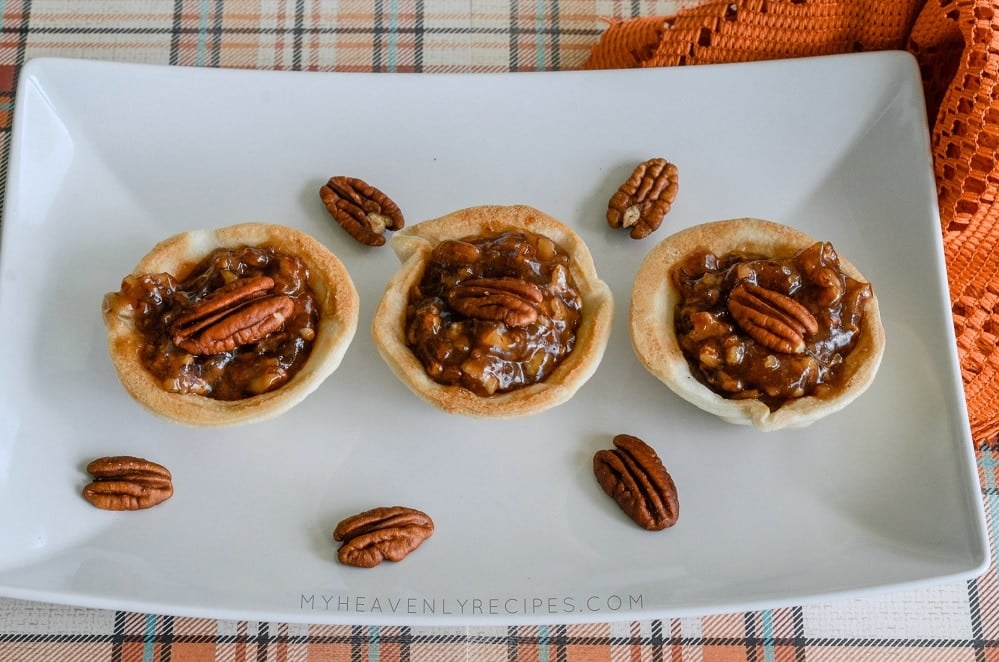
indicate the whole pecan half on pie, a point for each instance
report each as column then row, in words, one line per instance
column 512, row 300
column 772, row 318
column 241, row 312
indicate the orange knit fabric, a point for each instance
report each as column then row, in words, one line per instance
column 956, row 43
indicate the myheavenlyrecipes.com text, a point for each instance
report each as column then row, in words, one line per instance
column 471, row 606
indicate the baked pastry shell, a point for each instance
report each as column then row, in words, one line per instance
column 177, row 255
column 413, row 246
column 654, row 298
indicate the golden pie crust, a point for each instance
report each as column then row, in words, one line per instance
column 413, row 246
column 328, row 279
column 654, row 299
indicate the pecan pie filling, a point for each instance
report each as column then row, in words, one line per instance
column 769, row 328
column 241, row 323
column 494, row 313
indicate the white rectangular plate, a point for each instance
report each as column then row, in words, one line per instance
column 107, row 159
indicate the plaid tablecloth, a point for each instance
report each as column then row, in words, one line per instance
column 952, row 621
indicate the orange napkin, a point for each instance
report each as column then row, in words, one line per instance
column 956, row 43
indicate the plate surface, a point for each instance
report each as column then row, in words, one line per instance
column 109, row 158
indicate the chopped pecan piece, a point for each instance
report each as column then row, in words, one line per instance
column 124, row 482
column 771, row 318
column 241, row 312
column 381, row 533
column 633, row 475
column 454, row 252
column 361, row 209
column 820, row 265
column 645, row 198
column 511, row 300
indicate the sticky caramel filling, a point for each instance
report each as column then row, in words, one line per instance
column 730, row 361
column 250, row 369
column 488, row 356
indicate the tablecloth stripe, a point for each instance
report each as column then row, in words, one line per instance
column 156, row 639
column 405, row 35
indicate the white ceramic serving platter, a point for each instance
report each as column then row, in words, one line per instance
column 107, row 159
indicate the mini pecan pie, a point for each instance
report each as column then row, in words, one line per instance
column 233, row 325
column 756, row 323
column 495, row 312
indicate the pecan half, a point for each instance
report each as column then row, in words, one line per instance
column 645, row 198
column 124, row 482
column 633, row 475
column 361, row 209
column 381, row 533
column 513, row 301
column 771, row 318
column 239, row 313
